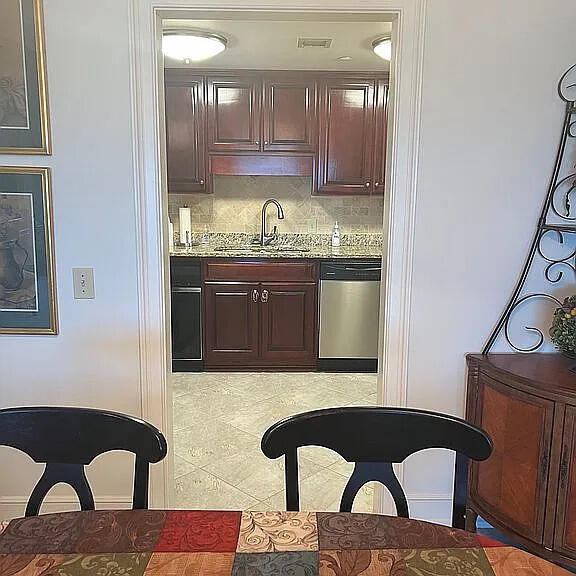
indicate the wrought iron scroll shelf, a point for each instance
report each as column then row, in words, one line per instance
column 557, row 222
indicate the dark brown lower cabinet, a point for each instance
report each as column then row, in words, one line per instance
column 527, row 488
column 288, row 324
column 265, row 321
column 231, row 325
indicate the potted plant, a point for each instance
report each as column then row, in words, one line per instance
column 563, row 329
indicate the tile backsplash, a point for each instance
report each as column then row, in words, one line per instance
column 237, row 201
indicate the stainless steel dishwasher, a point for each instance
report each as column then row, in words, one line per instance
column 349, row 315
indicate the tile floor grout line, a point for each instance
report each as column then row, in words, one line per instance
column 227, row 483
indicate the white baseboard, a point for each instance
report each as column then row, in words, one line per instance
column 15, row 506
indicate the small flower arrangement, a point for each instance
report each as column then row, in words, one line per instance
column 563, row 329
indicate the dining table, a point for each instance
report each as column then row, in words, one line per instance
column 252, row 543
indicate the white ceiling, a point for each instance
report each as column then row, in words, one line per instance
column 272, row 44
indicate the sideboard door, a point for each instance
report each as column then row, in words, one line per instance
column 565, row 530
column 511, row 484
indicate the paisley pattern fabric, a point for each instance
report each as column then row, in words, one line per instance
column 213, row 543
column 278, row 531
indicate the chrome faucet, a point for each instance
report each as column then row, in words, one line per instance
column 265, row 238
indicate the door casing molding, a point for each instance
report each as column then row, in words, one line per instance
column 151, row 204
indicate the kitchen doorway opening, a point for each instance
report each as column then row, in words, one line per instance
column 408, row 19
column 275, row 165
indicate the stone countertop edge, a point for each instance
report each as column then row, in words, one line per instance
column 316, row 253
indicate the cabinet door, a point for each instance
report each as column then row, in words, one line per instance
column 565, row 529
column 288, row 324
column 380, row 129
column 289, row 114
column 234, row 113
column 185, row 133
column 346, row 136
column 511, row 484
column 231, row 324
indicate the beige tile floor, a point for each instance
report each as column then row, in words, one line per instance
column 219, row 419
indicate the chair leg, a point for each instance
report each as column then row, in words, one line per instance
column 141, row 481
column 460, row 496
column 291, row 473
column 470, row 520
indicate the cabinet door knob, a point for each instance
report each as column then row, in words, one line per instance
column 264, row 296
column 266, row 142
column 367, row 184
column 201, row 181
column 257, row 142
column 376, row 184
column 255, row 295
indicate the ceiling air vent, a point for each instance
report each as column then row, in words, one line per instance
column 314, row 42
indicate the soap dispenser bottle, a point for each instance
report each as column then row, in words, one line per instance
column 336, row 236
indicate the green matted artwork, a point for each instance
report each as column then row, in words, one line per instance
column 27, row 282
column 24, row 118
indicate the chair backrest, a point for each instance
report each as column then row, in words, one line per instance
column 67, row 439
column 375, row 438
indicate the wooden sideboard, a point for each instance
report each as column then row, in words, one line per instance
column 527, row 488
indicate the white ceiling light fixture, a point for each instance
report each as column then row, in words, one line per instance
column 192, row 45
column 383, row 47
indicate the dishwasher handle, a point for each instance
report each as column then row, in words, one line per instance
column 186, row 289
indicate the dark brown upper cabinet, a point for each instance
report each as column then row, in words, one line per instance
column 319, row 124
column 185, row 132
column 379, row 168
column 234, row 118
column 351, row 143
column 289, row 114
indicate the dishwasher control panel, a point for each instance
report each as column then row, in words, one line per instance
column 351, row 270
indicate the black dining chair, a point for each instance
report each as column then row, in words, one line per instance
column 374, row 439
column 67, row 439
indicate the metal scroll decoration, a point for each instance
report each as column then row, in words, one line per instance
column 551, row 251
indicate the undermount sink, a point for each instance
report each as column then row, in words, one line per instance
column 260, row 249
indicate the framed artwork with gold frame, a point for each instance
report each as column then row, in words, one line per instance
column 24, row 118
column 27, row 278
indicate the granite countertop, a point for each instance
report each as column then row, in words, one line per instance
column 313, row 246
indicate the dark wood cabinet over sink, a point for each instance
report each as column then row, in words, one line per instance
column 527, row 403
column 260, row 314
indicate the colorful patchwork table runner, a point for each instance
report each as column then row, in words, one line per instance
column 210, row 543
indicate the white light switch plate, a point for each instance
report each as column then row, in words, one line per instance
column 83, row 283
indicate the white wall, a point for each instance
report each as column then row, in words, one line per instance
column 491, row 122
column 94, row 361
column 489, row 131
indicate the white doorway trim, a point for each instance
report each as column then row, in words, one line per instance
column 151, row 203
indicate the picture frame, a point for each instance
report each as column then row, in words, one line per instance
column 24, row 115
column 27, row 276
